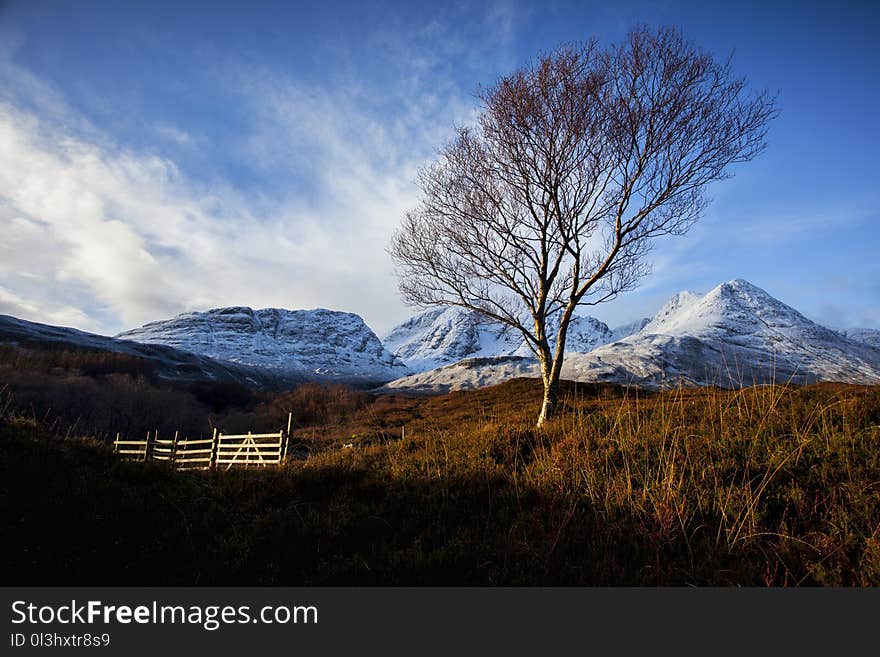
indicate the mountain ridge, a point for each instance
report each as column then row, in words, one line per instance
column 443, row 336
column 736, row 334
column 171, row 364
column 317, row 344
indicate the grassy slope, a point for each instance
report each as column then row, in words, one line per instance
column 762, row 486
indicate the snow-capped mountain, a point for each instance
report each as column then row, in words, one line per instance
column 864, row 335
column 170, row 364
column 736, row 334
column 670, row 312
column 443, row 336
column 295, row 344
column 624, row 330
column 466, row 374
column 584, row 333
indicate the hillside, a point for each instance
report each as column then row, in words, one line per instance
column 736, row 334
column 766, row 486
column 166, row 362
column 866, row 336
column 443, row 336
column 296, row 345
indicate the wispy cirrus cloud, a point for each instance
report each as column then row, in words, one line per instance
column 106, row 236
column 271, row 175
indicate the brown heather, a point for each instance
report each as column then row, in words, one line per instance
column 772, row 485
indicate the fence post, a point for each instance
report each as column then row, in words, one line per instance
column 287, row 437
column 403, row 432
column 213, row 462
column 116, row 443
column 147, row 448
column 174, row 449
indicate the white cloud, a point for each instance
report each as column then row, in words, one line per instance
column 173, row 134
column 107, row 237
column 13, row 304
column 146, row 243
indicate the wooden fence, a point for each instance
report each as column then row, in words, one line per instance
column 220, row 451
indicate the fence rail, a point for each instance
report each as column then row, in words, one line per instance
column 221, row 450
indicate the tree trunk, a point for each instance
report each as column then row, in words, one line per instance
column 551, row 367
column 550, row 376
column 551, row 397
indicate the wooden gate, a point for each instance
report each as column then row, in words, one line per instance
column 249, row 450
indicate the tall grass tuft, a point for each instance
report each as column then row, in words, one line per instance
column 773, row 485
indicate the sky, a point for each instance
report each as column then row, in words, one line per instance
column 162, row 157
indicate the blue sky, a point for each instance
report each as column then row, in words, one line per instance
column 161, row 157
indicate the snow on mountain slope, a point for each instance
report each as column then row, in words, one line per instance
column 737, row 334
column 313, row 344
column 625, row 330
column 671, row 313
column 442, row 336
column 864, row 335
column 466, row 374
column 171, row 364
column 584, row 333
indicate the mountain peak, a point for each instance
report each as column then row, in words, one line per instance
column 743, row 288
column 736, row 334
column 296, row 343
column 671, row 309
column 445, row 335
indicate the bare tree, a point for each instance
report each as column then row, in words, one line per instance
column 575, row 164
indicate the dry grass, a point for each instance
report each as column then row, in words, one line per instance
column 770, row 485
